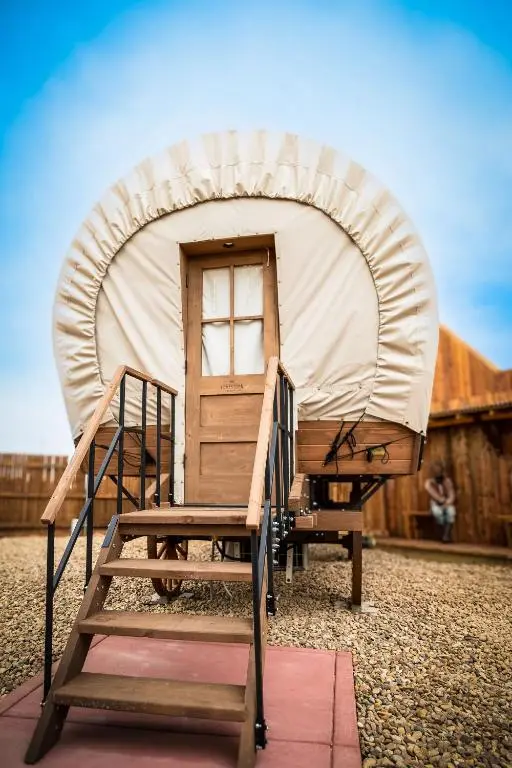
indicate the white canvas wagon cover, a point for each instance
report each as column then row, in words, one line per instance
column 356, row 298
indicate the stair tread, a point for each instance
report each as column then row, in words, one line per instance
column 178, row 569
column 154, row 696
column 178, row 626
column 185, row 516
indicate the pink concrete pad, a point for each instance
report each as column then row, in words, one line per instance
column 33, row 684
column 345, row 715
column 98, row 747
column 299, row 685
column 289, row 754
column 299, row 691
column 206, row 662
column 29, row 709
column 304, row 688
column 147, row 657
column 346, row 757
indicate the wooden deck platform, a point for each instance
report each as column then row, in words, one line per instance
column 429, row 545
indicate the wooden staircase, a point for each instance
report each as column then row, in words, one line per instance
column 74, row 688
column 263, row 520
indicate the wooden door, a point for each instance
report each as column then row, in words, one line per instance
column 231, row 333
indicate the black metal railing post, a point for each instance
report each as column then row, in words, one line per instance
column 291, row 436
column 90, row 514
column 144, row 403
column 120, row 446
column 172, row 449
column 86, row 516
column 270, row 596
column 48, row 629
column 258, row 657
column 277, row 468
column 283, row 391
column 158, row 490
column 278, row 477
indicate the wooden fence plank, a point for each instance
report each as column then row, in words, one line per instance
column 27, row 482
column 482, row 474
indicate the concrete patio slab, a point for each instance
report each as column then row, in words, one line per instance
column 309, row 699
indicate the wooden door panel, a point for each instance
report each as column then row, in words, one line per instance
column 223, row 412
column 228, row 489
column 217, row 458
column 220, row 410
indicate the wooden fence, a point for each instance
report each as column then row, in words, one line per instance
column 27, row 482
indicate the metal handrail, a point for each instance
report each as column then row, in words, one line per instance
column 86, row 445
column 275, row 371
column 68, row 478
column 272, row 478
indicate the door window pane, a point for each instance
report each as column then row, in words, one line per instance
column 249, row 357
column 216, row 349
column 249, row 290
column 216, row 293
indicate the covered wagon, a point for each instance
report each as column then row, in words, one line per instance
column 242, row 322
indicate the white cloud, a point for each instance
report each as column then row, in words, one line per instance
column 427, row 109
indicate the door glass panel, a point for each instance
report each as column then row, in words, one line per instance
column 216, row 293
column 249, row 357
column 215, row 349
column 249, row 290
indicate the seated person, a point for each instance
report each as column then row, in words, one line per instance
column 441, row 490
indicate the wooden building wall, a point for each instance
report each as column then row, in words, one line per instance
column 479, row 459
column 462, row 373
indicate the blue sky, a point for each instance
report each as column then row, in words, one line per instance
column 418, row 91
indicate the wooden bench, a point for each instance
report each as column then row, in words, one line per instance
column 410, row 521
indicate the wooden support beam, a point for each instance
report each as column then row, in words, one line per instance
column 357, row 568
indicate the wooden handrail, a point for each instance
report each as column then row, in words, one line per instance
column 133, row 372
column 69, row 475
column 260, row 458
column 286, row 375
column 163, row 387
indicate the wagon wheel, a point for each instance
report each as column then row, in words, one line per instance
column 168, row 548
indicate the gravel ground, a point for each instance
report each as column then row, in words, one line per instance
column 432, row 664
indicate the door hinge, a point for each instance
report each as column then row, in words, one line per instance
column 184, row 459
column 186, row 280
column 186, row 366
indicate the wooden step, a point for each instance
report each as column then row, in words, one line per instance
column 178, row 569
column 154, row 696
column 173, row 626
column 185, row 516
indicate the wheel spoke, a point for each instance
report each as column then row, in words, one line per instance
column 167, row 549
column 161, row 550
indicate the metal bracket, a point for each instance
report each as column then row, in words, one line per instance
column 260, row 733
column 289, row 563
column 271, row 605
column 305, row 556
column 110, row 531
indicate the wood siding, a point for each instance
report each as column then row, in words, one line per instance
column 399, row 452
column 462, row 373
